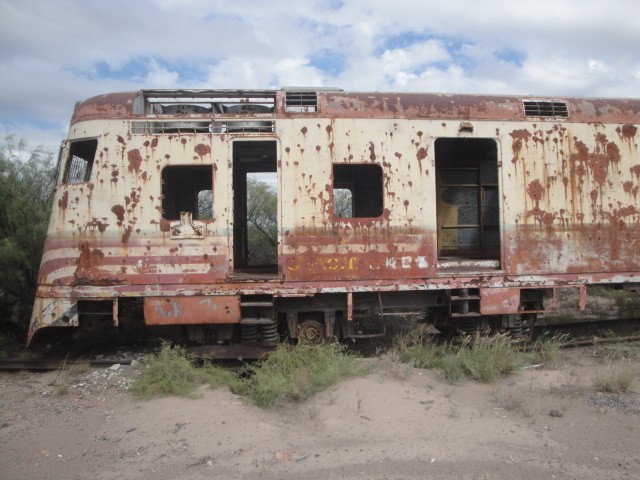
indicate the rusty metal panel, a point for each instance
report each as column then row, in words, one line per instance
column 498, row 301
column 191, row 310
column 53, row 312
column 572, row 198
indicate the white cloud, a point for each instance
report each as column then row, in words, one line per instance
column 53, row 53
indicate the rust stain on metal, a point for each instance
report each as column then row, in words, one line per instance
column 118, row 211
column 63, row 202
column 191, row 310
column 519, row 137
column 201, row 149
column 627, row 131
column 535, row 191
column 127, row 234
column 497, row 301
column 165, row 225
column 135, row 159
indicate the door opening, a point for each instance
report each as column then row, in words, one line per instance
column 255, row 208
column 468, row 203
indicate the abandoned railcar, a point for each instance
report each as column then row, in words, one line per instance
column 460, row 208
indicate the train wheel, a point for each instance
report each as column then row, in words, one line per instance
column 311, row 332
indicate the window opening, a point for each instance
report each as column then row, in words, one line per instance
column 187, row 188
column 255, row 207
column 468, row 215
column 357, row 190
column 81, row 156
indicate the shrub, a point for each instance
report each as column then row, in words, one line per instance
column 171, row 372
column 296, row 373
column 288, row 374
column 484, row 358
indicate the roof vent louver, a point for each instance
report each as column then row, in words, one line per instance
column 302, row 101
column 537, row 108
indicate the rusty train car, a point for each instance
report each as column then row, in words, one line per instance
column 460, row 208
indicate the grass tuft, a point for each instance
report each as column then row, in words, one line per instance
column 294, row 374
column 546, row 350
column 484, row 358
column 171, row 372
column 616, row 377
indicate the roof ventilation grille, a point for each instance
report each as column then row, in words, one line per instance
column 302, row 101
column 536, row 108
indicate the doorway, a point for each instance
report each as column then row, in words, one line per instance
column 255, row 208
column 468, row 202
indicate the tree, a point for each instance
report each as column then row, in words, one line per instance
column 26, row 189
column 262, row 223
column 342, row 203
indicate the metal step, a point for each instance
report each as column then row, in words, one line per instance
column 460, row 299
column 256, row 304
column 256, row 321
column 462, row 315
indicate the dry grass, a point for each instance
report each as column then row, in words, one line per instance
column 513, row 403
column 68, row 375
column 616, row 377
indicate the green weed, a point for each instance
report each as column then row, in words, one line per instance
column 171, row 372
column 484, row 358
column 288, row 374
column 294, row 374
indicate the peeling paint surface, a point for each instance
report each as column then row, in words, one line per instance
column 568, row 190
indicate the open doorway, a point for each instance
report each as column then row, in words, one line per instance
column 255, row 208
column 468, row 202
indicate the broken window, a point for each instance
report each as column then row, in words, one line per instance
column 187, row 189
column 357, row 190
column 468, row 211
column 81, row 155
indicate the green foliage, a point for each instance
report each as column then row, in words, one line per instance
column 171, row 372
column 262, row 223
column 297, row 373
column 342, row 203
column 26, row 188
column 288, row 374
column 484, row 358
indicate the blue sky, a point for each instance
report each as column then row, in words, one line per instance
column 54, row 53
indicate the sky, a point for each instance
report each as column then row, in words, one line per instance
column 54, row 53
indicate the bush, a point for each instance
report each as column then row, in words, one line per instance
column 484, row 358
column 26, row 188
column 171, row 372
column 294, row 374
column 288, row 374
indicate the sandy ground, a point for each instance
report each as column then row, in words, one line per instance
column 396, row 423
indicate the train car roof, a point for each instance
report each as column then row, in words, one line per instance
column 336, row 103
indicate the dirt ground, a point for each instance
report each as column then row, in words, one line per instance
column 396, row 423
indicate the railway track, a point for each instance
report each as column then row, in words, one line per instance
column 44, row 364
column 578, row 336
